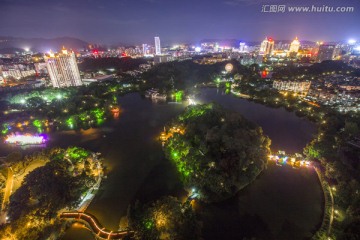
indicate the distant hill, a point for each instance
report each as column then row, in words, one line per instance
column 10, row 50
column 42, row 44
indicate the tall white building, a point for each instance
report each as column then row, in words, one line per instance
column 63, row 69
column 144, row 49
column 267, row 47
column 157, row 46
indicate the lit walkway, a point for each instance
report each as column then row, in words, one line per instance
column 7, row 193
column 95, row 226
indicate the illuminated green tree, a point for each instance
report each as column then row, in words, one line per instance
column 219, row 153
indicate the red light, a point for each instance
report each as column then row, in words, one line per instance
column 123, row 54
column 264, row 74
column 270, row 39
column 95, row 51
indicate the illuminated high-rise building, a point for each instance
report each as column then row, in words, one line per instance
column 267, row 47
column 326, row 52
column 144, row 49
column 157, row 46
column 294, row 46
column 242, row 47
column 63, row 69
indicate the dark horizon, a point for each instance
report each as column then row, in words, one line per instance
column 124, row 21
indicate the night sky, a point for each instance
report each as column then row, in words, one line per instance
column 138, row 21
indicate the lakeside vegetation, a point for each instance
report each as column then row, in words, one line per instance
column 219, row 153
column 166, row 218
column 61, row 109
column 60, row 184
column 118, row 65
column 183, row 75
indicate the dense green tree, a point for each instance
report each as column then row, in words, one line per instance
column 219, row 153
column 13, row 157
column 46, row 190
column 167, row 218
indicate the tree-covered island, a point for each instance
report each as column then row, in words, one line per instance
column 216, row 152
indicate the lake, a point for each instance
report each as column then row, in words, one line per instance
column 282, row 203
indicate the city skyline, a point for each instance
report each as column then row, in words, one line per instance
column 138, row 22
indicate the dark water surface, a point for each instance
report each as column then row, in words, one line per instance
column 283, row 203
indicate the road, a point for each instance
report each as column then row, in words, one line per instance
column 332, row 210
column 7, row 193
column 89, row 195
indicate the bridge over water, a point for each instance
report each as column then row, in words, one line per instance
column 95, row 226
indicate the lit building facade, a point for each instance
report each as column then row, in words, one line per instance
column 18, row 74
column 15, row 73
column 163, row 58
column 267, row 47
column 292, row 86
column 242, row 47
column 145, row 49
column 294, row 46
column 326, row 52
column 157, row 46
column 63, row 69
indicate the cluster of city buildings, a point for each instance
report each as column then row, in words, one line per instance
column 298, row 87
column 16, row 71
column 318, row 52
column 339, row 91
column 282, row 52
column 61, row 68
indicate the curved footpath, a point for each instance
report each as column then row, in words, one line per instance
column 95, row 226
column 328, row 207
column 6, row 197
